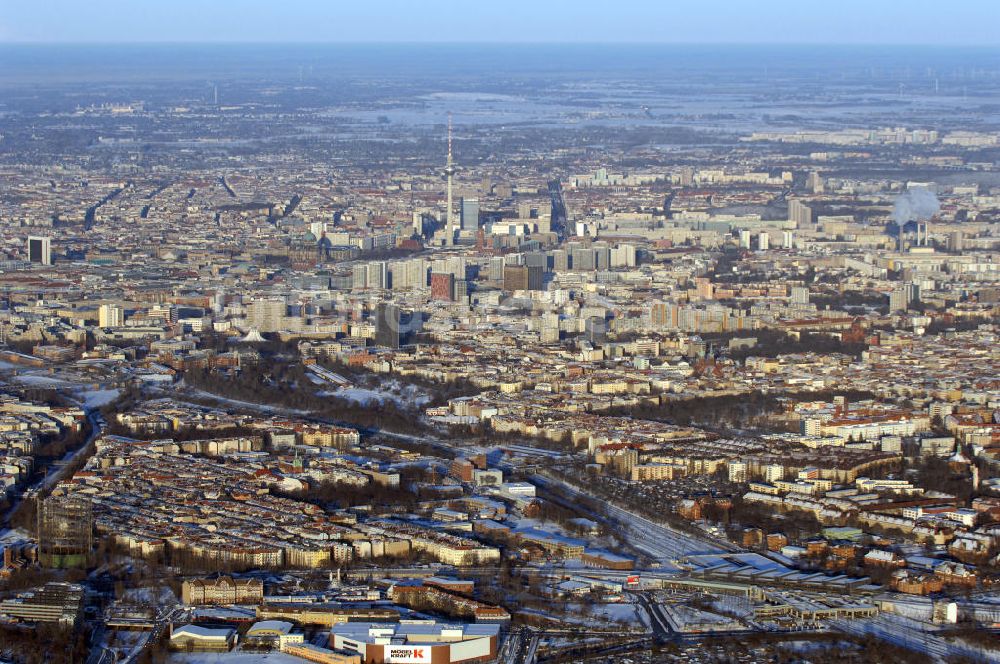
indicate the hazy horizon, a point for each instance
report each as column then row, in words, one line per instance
column 486, row 61
column 487, row 42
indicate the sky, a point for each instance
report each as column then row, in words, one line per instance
column 926, row 22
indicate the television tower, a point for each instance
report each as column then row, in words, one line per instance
column 449, row 170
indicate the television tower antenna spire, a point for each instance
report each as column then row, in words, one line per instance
column 449, row 170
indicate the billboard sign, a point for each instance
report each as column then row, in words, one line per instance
column 408, row 654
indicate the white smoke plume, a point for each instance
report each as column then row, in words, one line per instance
column 915, row 204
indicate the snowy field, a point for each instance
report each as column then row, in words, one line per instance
column 158, row 596
column 391, row 390
column 98, row 398
column 233, row 658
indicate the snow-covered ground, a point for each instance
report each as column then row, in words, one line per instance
column 98, row 398
column 361, row 395
column 124, row 642
column 245, row 405
column 233, row 658
column 623, row 613
column 603, row 615
column 154, row 596
column 657, row 540
column 42, row 380
column 404, row 396
column 84, row 383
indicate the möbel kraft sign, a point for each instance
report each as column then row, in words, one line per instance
column 409, row 654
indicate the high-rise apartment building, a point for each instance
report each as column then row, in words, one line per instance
column 266, row 315
column 393, row 327
column 523, row 277
column 65, row 531
column 583, row 260
column 496, row 268
column 110, row 315
column 443, row 286
column 468, row 214
column 408, row 274
column 799, row 213
column 40, row 250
